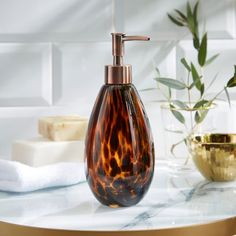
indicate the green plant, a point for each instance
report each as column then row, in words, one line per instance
column 195, row 77
column 195, row 74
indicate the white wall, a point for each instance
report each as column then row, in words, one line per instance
column 53, row 52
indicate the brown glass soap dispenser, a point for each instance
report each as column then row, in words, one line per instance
column 119, row 149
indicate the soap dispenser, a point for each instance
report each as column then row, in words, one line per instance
column 119, row 148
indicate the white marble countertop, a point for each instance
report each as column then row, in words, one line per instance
column 173, row 200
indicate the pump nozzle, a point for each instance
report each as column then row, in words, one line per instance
column 119, row 73
column 118, row 40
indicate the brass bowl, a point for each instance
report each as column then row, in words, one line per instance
column 214, row 155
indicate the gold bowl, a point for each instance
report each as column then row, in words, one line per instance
column 214, row 155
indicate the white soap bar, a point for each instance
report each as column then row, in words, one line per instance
column 40, row 151
column 63, row 128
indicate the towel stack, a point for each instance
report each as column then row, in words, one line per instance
column 55, row 159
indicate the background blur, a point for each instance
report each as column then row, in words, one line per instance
column 53, row 52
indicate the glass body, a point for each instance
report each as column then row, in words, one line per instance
column 119, row 150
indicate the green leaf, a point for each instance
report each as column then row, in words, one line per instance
column 232, row 82
column 177, row 114
column 189, row 10
column 175, row 21
column 190, row 19
column 184, row 62
column 194, row 83
column 169, row 93
column 195, row 11
column 211, row 59
column 195, row 15
column 196, row 42
column 196, row 77
column 180, row 104
column 185, row 141
column 158, row 72
column 202, row 50
column 191, row 85
column 202, row 89
column 197, row 117
column 203, row 115
column 200, row 116
column 171, row 83
column 201, row 103
column 181, row 15
column 227, row 95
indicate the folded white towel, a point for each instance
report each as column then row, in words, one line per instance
column 17, row 177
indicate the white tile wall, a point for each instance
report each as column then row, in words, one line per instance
column 79, row 71
column 25, row 74
column 55, row 20
column 53, row 52
column 149, row 17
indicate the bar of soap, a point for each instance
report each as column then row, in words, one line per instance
column 63, row 128
column 40, row 151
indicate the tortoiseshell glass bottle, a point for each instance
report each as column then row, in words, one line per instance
column 119, row 149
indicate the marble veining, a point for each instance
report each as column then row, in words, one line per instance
column 173, row 200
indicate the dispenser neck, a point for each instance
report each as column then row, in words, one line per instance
column 117, row 60
column 117, row 48
column 118, row 73
column 118, row 40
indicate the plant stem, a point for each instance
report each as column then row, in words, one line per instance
column 221, row 91
column 174, row 146
column 189, row 101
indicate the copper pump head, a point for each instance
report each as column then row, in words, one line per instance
column 119, row 73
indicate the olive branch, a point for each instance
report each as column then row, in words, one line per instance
column 195, row 77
